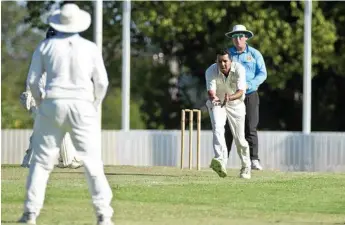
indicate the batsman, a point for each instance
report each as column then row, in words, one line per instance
column 68, row 158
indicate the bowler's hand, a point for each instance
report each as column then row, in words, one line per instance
column 215, row 101
column 214, row 98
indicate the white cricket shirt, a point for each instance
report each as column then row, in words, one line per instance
column 236, row 80
column 74, row 68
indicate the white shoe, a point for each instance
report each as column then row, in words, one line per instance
column 101, row 220
column 28, row 218
column 256, row 165
column 245, row 173
column 75, row 164
column 217, row 167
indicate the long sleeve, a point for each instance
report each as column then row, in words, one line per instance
column 211, row 83
column 260, row 72
column 35, row 73
column 100, row 79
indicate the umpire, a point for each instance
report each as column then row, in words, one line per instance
column 256, row 74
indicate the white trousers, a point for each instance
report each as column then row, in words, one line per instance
column 236, row 117
column 67, row 152
column 55, row 118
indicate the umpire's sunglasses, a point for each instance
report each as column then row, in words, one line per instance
column 238, row 35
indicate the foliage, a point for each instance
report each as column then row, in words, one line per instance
column 192, row 30
column 15, row 55
column 187, row 33
column 111, row 112
column 17, row 49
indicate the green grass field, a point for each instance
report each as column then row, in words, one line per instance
column 165, row 195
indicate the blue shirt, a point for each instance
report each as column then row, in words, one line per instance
column 254, row 64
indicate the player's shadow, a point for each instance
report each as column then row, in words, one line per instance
column 122, row 174
column 8, row 221
column 5, row 221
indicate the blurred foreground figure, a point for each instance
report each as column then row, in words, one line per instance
column 68, row 158
column 76, row 85
column 256, row 74
column 226, row 87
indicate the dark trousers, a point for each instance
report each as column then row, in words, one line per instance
column 252, row 119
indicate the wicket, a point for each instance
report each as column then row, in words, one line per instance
column 183, row 127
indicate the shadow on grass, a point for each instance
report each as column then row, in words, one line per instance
column 306, row 223
column 7, row 221
column 123, row 174
column 276, row 222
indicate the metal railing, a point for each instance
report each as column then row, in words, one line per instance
column 285, row 151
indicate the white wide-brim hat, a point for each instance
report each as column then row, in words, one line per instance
column 70, row 19
column 240, row 29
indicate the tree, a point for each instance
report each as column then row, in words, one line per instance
column 16, row 48
column 18, row 41
column 190, row 32
column 187, row 33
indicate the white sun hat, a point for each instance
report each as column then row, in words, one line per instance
column 240, row 29
column 70, row 19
